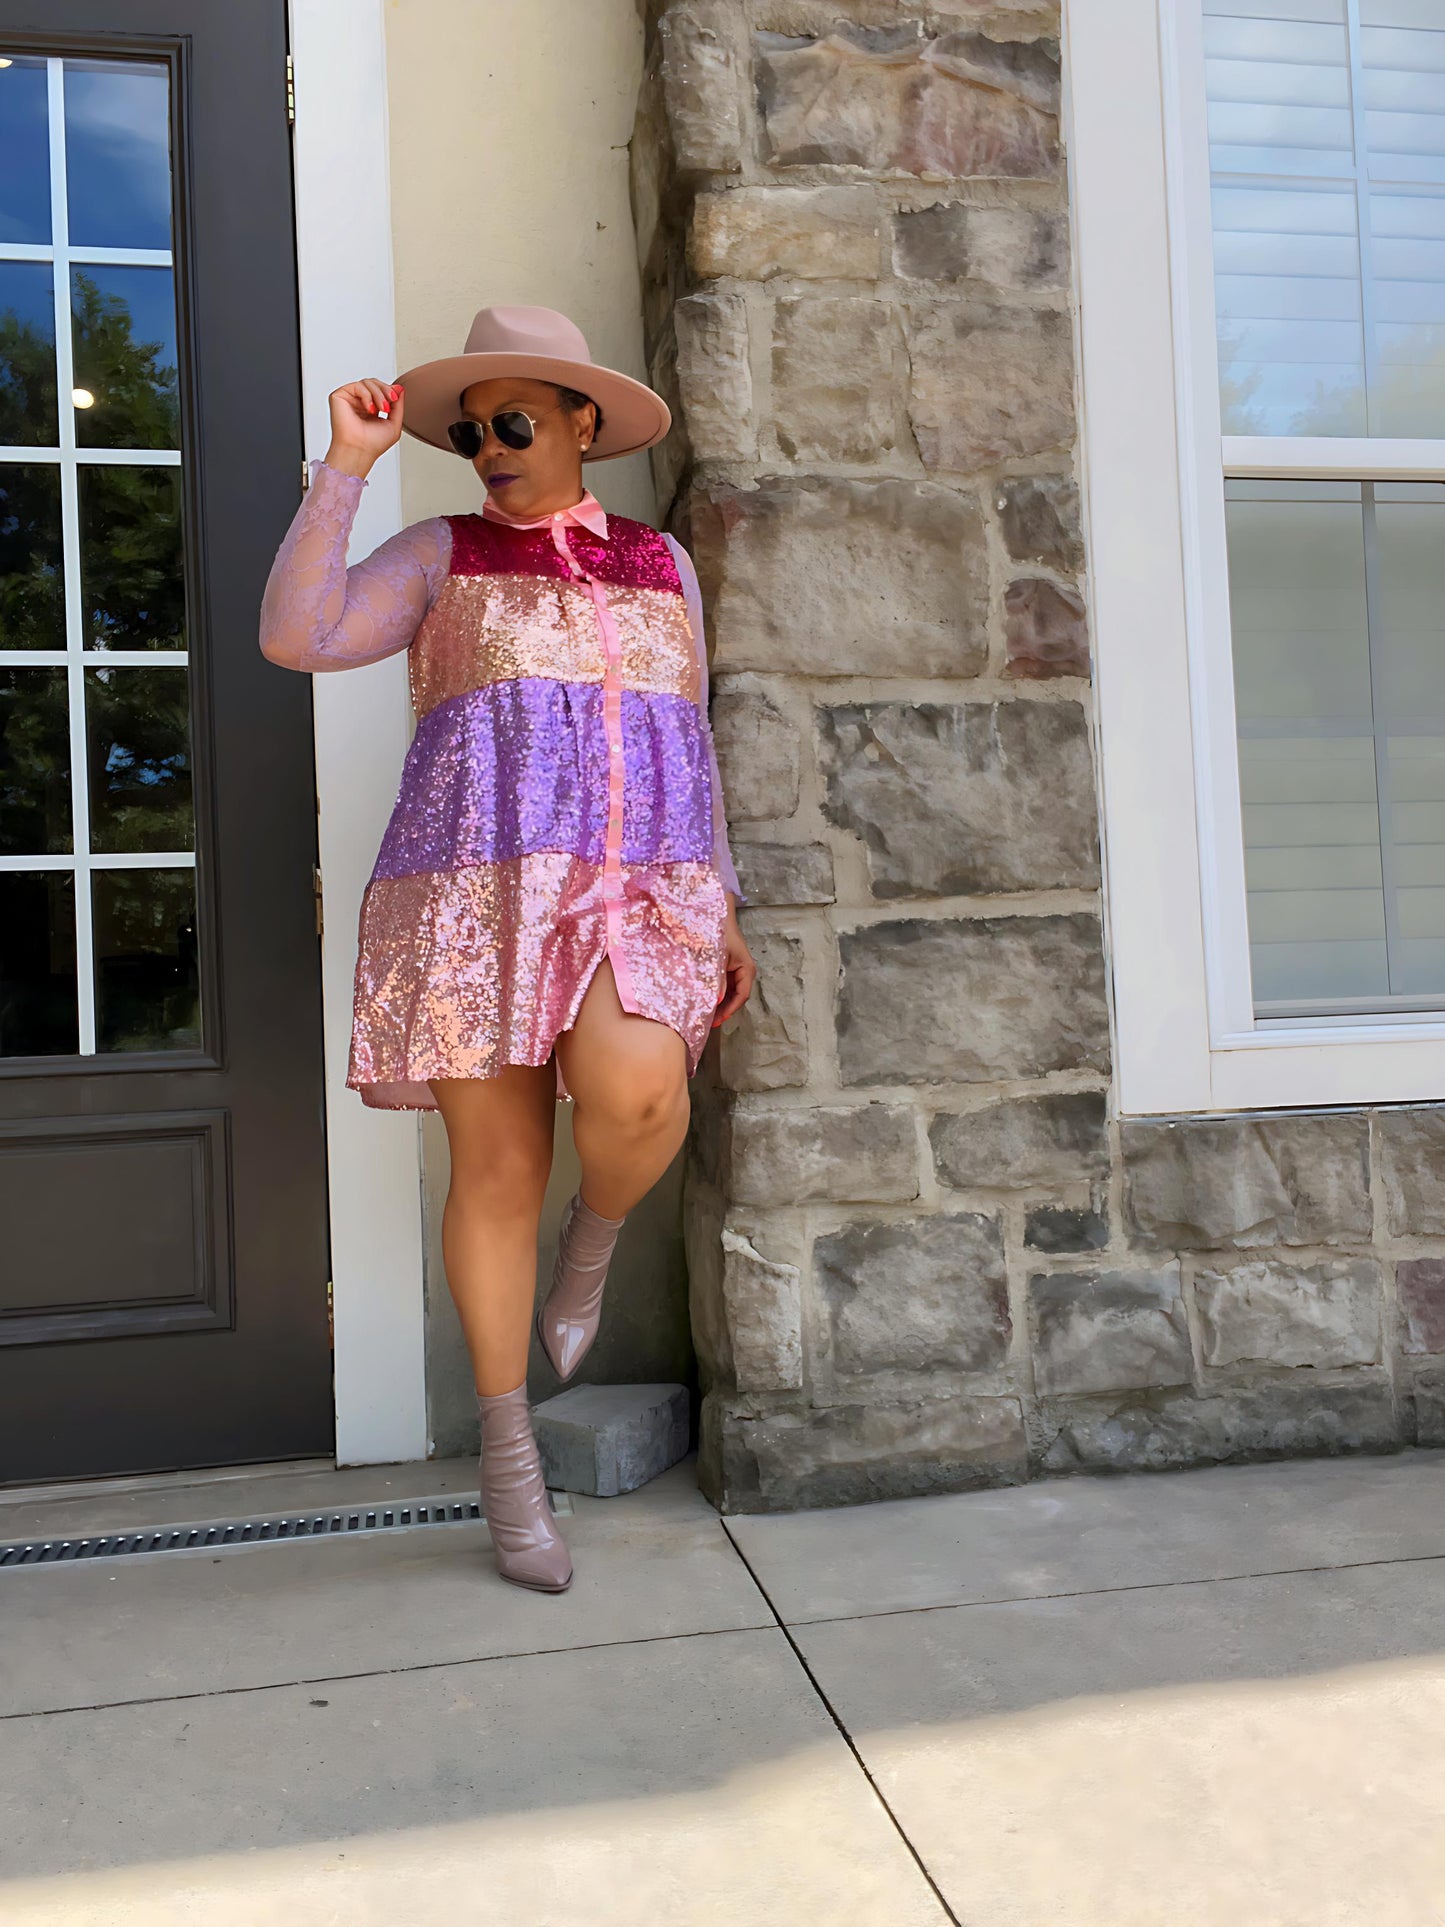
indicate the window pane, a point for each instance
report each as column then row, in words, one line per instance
column 27, row 353
column 38, row 1013
column 1409, row 523
column 130, row 558
column 32, row 584
column 146, row 980
column 117, row 154
column 1337, row 595
column 126, row 387
column 24, row 152
column 1306, row 751
column 34, row 763
column 138, row 725
column 1329, row 261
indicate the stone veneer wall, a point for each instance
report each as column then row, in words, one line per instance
column 924, row 1253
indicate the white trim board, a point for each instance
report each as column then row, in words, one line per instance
column 1153, row 490
column 362, row 728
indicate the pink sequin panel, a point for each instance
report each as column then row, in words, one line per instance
column 488, row 628
column 461, row 973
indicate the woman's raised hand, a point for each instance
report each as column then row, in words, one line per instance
column 366, row 418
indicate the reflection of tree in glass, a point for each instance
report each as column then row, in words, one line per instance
column 34, row 762
column 130, row 557
column 147, row 977
column 136, row 387
column 1408, row 398
column 27, row 382
column 140, row 766
column 32, row 588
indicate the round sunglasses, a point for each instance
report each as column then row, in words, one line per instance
column 512, row 428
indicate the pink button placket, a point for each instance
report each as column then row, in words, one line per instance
column 612, row 723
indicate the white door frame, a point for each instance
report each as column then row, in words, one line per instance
column 363, row 723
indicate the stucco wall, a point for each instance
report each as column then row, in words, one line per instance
column 510, row 122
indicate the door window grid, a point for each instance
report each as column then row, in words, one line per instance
column 1364, row 166
column 76, row 657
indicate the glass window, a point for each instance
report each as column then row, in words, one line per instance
column 98, row 937
column 1327, row 149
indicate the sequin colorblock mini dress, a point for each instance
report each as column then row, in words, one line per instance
column 558, row 803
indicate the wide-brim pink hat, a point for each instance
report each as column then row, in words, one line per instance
column 542, row 345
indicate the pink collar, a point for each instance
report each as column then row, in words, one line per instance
column 587, row 514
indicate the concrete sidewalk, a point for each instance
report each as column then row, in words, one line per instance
column 1196, row 1698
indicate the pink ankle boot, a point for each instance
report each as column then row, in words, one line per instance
column 567, row 1322
column 530, row 1549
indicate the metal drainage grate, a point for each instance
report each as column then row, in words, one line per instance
column 244, row 1532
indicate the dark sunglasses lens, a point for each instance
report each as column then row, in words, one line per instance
column 466, row 439
column 512, row 429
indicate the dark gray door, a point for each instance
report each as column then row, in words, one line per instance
column 163, row 1263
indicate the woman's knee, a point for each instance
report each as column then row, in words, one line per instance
column 502, row 1179
column 643, row 1101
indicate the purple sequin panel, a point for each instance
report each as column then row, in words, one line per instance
column 522, row 766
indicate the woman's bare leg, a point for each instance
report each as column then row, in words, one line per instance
column 500, row 1133
column 628, row 1081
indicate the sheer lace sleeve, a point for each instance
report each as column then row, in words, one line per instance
column 318, row 614
column 721, row 855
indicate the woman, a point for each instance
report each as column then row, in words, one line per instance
column 553, row 908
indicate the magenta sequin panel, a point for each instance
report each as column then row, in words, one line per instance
column 633, row 556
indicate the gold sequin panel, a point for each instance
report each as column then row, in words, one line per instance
column 464, row 972
column 495, row 628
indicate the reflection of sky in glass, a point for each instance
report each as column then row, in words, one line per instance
column 117, row 149
column 24, row 153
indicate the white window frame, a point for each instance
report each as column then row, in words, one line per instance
column 1153, row 466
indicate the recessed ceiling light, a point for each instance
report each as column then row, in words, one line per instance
column 82, row 397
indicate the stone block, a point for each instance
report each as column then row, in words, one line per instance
column 898, row 101
column 1046, row 631
column 757, row 753
column 954, row 799
column 714, row 375
column 1196, row 1184
column 1023, row 1143
column 765, row 1047
column 806, row 233
column 865, row 1153
column 785, row 873
column 846, row 1454
column 1039, row 519
column 1420, row 1287
column 704, row 81
column 1062, row 1228
column 1005, row 247
column 971, row 1000
column 844, row 578
column 988, row 384
column 915, row 1296
column 835, row 365
column 1277, row 1314
column 1412, row 1146
column 609, row 1439
column 1429, row 1395
column 764, row 1308
column 1267, row 1419
column 1108, row 1331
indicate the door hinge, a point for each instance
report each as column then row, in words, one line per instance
column 305, row 474
column 330, row 1316
column 316, row 889
column 290, row 91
